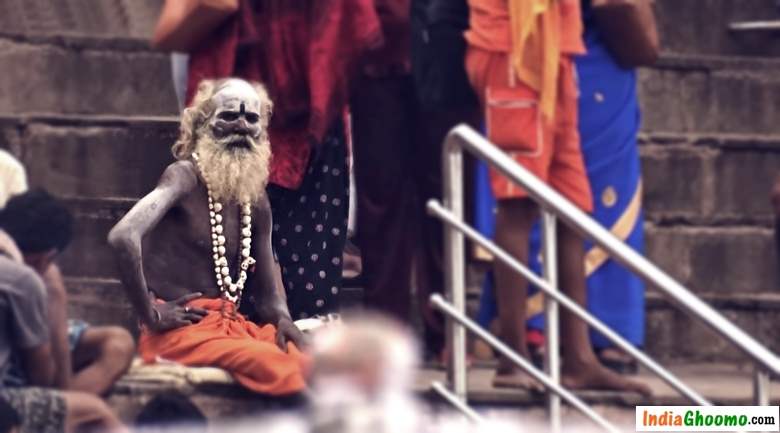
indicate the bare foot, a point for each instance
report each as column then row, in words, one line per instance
column 596, row 376
column 517, row 380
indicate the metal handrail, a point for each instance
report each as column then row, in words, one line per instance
column 463, row 137
column 456, row 402
column 554, row 205
column 436, row 209
column 447, row 308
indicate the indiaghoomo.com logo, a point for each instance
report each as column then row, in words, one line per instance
column 707, row 418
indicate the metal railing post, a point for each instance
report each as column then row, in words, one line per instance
column 552, row 334
column 455, row 258
column 761, row 384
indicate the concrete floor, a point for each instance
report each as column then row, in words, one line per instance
column 720, row 383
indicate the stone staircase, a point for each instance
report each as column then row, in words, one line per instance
column 91, row 112
column 711, row 151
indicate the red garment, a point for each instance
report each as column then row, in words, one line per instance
column 225, row 339
column 393, row 56
column 304, row 52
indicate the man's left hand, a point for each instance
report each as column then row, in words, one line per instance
column 286, row 331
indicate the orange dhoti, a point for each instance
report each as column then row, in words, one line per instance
column 225, row 339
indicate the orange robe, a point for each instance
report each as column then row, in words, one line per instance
column 225, row 339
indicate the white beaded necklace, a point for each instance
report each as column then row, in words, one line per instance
column 230, row 290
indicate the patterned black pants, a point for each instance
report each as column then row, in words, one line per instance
column 310, row 229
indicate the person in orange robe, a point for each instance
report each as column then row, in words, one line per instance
column 519, row 61
column 199, row 244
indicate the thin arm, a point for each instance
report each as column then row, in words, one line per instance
column 127, row 236
column 58, row 326
column 270, row 301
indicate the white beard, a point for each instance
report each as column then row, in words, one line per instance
column 234, row 175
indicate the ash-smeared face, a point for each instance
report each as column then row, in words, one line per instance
column 236, row 123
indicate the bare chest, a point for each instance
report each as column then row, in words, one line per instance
column 179, row 251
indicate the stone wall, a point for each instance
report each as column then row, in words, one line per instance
column 90, row 110
column 710, row 152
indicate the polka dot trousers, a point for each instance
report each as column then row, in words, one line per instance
column 310, row 229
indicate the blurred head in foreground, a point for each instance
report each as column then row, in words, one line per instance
column 362, row 376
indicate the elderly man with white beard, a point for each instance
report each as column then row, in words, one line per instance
column 188, row 250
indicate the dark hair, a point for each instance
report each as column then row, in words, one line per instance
column 37, row 222
column 168, row 410
column 9, row 418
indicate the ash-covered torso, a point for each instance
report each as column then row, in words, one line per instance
column 177, row 253
column 166, row 242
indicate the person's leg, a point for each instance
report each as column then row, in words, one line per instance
column 100, row 357
column 310, row 230
column 382, row 119
column 85, row 410
column 433, row 126
column 581, row 368
column 513, row 226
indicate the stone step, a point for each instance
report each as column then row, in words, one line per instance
column 674, row 336
column 100, row 302
column 696, row 177
column 91, row 156
column 713, row 259
column 74, row 57
column 94, row 18
column 701, row 27
column 671, row 335
column 226, row 404
column 681, row 28
column 704, row 94
column 706, row 258
column 723, row 384
column 716, row 259
column 84, row 75
column 89, row 255
column 699, row 179
column 99, row 156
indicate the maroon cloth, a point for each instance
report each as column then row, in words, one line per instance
column 393, row 56
column 397, row 154
column 303, row 51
